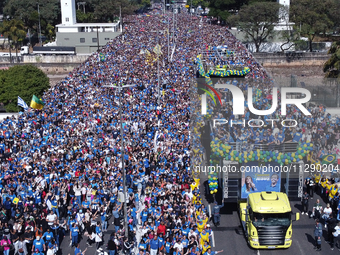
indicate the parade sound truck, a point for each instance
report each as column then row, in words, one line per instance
column 262, row 191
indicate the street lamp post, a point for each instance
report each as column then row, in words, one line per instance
column 122, row 154
column 168, row 37
column 120, row 18
column 173, row 25
column 159, row 95
column 39, row 26
column 191, row 9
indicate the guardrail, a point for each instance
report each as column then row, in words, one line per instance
column 284, row 148
column 244, row 146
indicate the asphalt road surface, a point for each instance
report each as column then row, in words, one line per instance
column 229, row 235
column 66, row 249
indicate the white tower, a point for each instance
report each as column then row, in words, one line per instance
column 68, row 12
column 284, row 13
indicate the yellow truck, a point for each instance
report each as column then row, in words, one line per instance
column 267, row 220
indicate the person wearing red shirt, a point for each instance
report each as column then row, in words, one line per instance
column 161, row 229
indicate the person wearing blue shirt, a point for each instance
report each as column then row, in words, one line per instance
column 74, row 232
column 216, row 213
column 161, row 242
column 99, row 234
column 185, row 243
column 142, row 246
column 154, row 245
column 77, row 250
column 281, row 136
column 144, row 215
column 48, row 236
column 103, row 217
column 86, row 204
column 297, row 137
column 54, row 205
column 168, row 245
column 248, row 187
column 37, row 252
column 39, row 244
column 257, row 138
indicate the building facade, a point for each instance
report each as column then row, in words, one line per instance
column 86, row 37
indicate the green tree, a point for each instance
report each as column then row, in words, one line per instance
column 196, row 3
column 84, row 17
column 224, row 8
column 24, row 81
column 257, row 21
column 50, row 32
column 2, row 4
column 332, row 66
column 106, row 10
column 14, row 31
column 27, row 11
column 311, row 17
column 333, row 13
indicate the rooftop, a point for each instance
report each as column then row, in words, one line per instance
column 90, row 25
column 263, row 202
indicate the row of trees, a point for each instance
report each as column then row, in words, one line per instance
column 257, row 18
column 14, row 31
column 26, row 11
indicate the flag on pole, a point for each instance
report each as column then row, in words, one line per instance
column 36, row 103
column 102, row 57
column 157, row 49
column 22, row 103
column 328, row 159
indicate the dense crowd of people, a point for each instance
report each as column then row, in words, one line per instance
column 61, row 171
column 61, row 167
column 320, row 128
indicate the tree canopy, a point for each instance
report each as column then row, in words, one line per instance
column 224, row 8
column 257, row 21
column 312, row 17
column 332, row 66
column 24, row 81
column 50, row 12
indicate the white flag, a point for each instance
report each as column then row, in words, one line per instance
column 22, row 103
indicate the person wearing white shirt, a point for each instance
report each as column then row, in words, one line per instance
column 336, row 234
column 326, row 212
column 51, row 218
column 178, row 245
column 189, row 194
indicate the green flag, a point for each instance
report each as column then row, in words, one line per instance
column 36, row 103
column 328, row 159
column 102, row 57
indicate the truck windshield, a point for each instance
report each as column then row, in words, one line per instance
column 271, row 219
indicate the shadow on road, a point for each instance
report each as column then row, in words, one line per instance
column 310, row 239
column 299, row 207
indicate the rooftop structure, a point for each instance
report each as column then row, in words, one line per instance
column 86, row 37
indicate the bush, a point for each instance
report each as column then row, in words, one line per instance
column 24, row 81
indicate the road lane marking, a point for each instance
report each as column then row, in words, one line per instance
column 300, row 248
column 213, row 239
